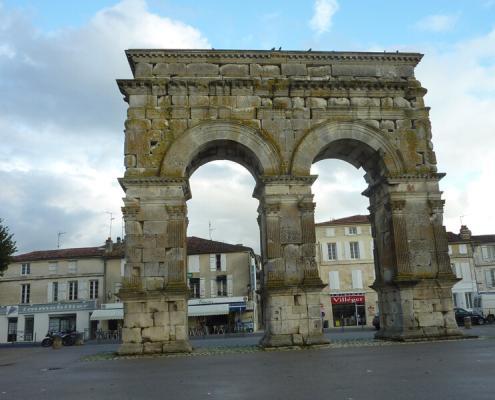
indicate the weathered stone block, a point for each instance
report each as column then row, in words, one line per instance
column 154, row 227
column 401, row 102
column 316, row 102
column 180, row 100
column 202, row 69
column 134, row 307
column 143, row 70
column 138, row 320
column 322, row 71
column 154, row 334
column 226, row 101
column 131, row 335
column 199, row 100
column 387, row 125
column 152, row 347
column 294, row 69
column 234, row 70
column 248, row 101
column 387, row 102
column 178, row 113
column 130, row 349
column 264, row 70
column 163, row 69
column 136, row 112
column 403, row 124
column 282, row 102
column 339, row 101
column 365, row 101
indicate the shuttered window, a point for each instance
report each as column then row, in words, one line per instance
column 354, row 250
column 193, row 264
column 332, row 251
column 73, row 290
column 333, row 279
column 357, row 279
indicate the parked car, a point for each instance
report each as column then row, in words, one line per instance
column 376, row 322
column 461, row 313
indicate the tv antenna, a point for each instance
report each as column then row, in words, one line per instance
column 111, row 219
column 210, row 229
column 461, row 217
column 59, row 235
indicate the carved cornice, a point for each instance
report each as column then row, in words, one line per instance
column 269, row 56
column 395, row 179
column 147, row 85
column 125, row 183
column 288, row 179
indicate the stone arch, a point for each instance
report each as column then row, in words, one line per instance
column 226, row 140
column 354, row 142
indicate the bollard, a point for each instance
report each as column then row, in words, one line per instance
column 467, row 322
column 57, row 342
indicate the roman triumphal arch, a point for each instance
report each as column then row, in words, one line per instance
column 276, row 113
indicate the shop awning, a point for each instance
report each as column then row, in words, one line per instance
column 110, row 313
column 208, row 309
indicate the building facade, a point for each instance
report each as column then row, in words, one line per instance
column 222, row 281
column 77, row 289
column 58, row 290
column 345, row 262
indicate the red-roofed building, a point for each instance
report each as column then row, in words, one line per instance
column 76, row 288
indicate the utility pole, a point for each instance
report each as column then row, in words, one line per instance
column 59, row 235
column 111, row 219
column 210, row 229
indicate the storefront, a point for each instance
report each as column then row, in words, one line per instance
column 31, row 322
column 219, row 315
column 348, row 309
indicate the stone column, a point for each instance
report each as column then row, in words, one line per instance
column 413, row 283
column 154, row 290
column 291, row 284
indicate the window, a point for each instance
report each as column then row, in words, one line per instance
column 450, row 249
column 469, row 299
column 357, row 279
column 332, row 251
column 54, row 291
column 352, row 230
column 218, row 261
column 93, row 289
column 193, row 264
column 456, row 299
column 52, row 268
column 194, row 285
column 25, row 293
column 329, row 232
column 334, row 281
column 73, row 290
column 488, row 252
column 221, row 285
column 72, row 267
column 25, row 269
column 463, row 249
column 354, row 247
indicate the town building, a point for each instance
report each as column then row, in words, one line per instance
column 58, row 290
column 345, row 262
column 77, row 289
column 222, row 279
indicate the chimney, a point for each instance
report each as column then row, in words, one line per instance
column 465, row 233
column 108, row 245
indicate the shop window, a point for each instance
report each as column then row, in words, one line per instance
column 93, row 289
column 194, row 285
column 72, row 290
column 332, row 251
column 354, row 247
column 25, row 293
column 25, row 269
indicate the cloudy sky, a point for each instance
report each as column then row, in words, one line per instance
column 61, row 115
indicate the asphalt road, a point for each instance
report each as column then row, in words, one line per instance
column 439, row 370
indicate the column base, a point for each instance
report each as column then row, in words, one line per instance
column 295, row 339
column 178, row 346
column 421, row 335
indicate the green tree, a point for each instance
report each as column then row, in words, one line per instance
column 7, row 247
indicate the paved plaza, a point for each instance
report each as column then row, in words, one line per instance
column 353, row 367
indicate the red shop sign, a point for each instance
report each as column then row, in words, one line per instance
column 347, row 299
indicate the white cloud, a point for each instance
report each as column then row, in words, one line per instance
column 62, row 117
column 461, row 93
column 324, row 10
column 437, row 23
